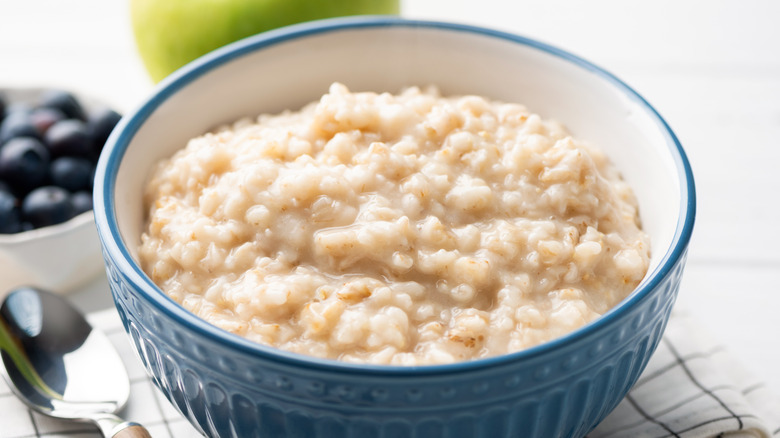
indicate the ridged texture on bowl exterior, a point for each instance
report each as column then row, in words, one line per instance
column 563, row 392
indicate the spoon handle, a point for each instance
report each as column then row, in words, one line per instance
column 133, row 430
column 115, row 427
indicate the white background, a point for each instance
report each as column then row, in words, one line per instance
column 711, row 68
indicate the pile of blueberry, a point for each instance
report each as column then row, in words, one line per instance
column 48, row 152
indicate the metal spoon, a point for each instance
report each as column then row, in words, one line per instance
column 57, row 365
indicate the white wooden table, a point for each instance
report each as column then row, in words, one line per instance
column 712, row 69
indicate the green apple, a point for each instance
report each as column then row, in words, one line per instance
column 171, row 33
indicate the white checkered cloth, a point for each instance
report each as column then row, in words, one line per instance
column 692, row 388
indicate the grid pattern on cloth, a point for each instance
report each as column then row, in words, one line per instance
column 692, row 387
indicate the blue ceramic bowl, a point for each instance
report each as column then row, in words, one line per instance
column 228, row 386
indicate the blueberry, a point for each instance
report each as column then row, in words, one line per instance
column 18, row 107
column 2, row 106
column 17, row 124
column 71, row 173
column 47, row 205
column 24, row 163
column 68, row 138
column 43, row 118
column 10, row 222
column 63, row 101
column 100, row 123
column 81, row 201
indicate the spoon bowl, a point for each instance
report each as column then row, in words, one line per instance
column 59, row 366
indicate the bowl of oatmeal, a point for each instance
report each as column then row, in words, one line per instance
column 376, row 226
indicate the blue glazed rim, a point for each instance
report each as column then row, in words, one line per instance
column 121, row 137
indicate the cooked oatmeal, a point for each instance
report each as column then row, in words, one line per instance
column 403, row 229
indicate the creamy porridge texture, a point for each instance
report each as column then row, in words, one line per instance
column 400, row 229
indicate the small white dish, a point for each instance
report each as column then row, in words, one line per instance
column 60, row 257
